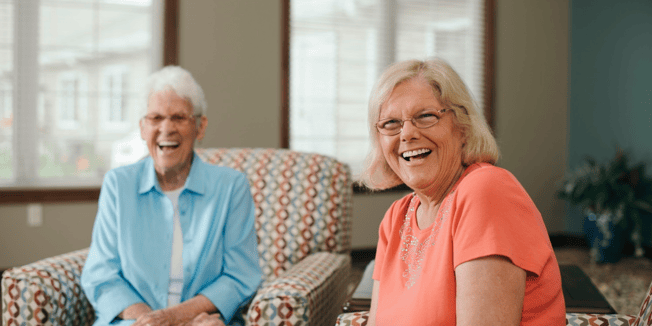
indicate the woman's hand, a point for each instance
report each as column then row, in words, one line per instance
column 163, row 317
column 374, row 304
column 135, row 311
column 169, row 317
column 205, row 319
column 184, row 313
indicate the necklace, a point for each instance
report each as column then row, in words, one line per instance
column 413, row 251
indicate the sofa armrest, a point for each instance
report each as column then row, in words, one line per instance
column 358, row 318
column 47, row 292
column 599, row 320
column 309, row 293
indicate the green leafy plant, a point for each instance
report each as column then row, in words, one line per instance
column 614, row 191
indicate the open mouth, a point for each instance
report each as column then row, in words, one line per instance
column 163, row 145
column 417, row 154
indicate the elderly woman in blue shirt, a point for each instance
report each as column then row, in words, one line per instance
column 173, row 240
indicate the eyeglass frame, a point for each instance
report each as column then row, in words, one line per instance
column 178, row 122
column 402, row 122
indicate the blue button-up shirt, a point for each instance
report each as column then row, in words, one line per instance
column 129, row 258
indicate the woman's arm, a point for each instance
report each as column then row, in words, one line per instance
column 102, row 276
column 241, row 274
column 489, row 290
column 374, row 304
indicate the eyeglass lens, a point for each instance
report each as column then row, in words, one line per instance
column 423, row 120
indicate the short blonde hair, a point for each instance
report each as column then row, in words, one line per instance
column 452, row 93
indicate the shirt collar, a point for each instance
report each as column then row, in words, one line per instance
column 194, row 181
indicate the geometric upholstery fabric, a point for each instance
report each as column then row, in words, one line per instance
column 358, row 318
column 599, row 320
column 47, row 292
column 572, row 319
column 302, row 202
column 644, row 317
column 303, row 205
column 310, row 293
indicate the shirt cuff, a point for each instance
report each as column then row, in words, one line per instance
column 227, row 299
column 115, row 301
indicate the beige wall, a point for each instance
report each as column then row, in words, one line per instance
column 532, row 97
column 66, row 227
column 233, row 48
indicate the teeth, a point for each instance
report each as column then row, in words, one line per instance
column 415, row 153
column 167, row 143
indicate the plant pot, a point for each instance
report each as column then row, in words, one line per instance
column 646, row 229
column 605, row 237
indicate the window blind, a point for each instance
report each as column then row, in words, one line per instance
column 339, row 48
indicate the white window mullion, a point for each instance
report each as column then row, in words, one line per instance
column 387, row 25
column 26, row 81
column 158, row 31
column 477, row 56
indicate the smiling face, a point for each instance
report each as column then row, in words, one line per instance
column 424, row 159
column 171, row 143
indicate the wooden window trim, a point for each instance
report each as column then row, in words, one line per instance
column 285, row 74
column 488, row 92
column 47, row 195
column 91, row 194
column 489, row 63
column 171, row 33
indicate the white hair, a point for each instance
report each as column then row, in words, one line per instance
column 179, row 81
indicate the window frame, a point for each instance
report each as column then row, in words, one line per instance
column 488, row 79
column 19, row 195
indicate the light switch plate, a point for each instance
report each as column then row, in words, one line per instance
column 34, row 215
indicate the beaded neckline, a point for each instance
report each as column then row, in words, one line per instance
column 412, row 251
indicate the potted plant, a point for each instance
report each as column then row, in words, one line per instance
column 615, row 198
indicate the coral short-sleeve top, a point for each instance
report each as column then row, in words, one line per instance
column 487, row 213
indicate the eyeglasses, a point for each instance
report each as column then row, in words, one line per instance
column 176, row 119
column 426, row 119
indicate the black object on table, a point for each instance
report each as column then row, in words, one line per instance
column 580, row 293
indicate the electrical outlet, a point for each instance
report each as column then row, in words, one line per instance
column 34, row 215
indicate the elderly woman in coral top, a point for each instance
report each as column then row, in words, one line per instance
column 468, row 246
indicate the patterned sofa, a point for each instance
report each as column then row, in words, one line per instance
column 644, row 317
column 303, row 211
